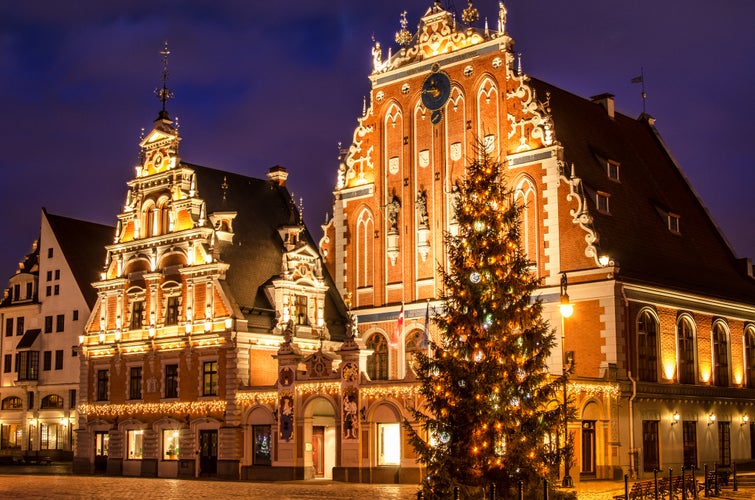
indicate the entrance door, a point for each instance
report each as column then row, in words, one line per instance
column 588, row 447
column 318, row 450
column 208, row 452
column 752, row 440
column 101, row 440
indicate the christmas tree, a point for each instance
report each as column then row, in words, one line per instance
column 486, row 417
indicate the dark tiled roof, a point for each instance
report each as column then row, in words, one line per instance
column 28, row 338
column 255, row 255
column 83, row 245
column 29, row 265
column 698, row 259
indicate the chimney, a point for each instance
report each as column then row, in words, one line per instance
column 277, row 175
column 605, row 100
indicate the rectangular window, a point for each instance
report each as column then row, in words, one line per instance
column 7, row 363
column 136, row 315
column 171, row 311
column 49, row 275
column 601, row 201
column 134, row 444
column 673, row 223
column 170, row 444
column 50, row 436
column 300, row 309
column 389, row 444
column 57, row 274
column 689, row 442
column 47, row 361
column 57, row 289
column 60, row 322
column 48, row 291
column 29, row 290
column 72, row 398
column 171, row 381
column 48, row 324
column 59, row 359
column 263, row 442
column 9, row 327
column 19, row 326
column 613, row 170
column 724, row 444
column 135, row 383
column 16, row 292
column 10, row 436
column 28, row 365
column 49, row 253
column 210, row 378
column 75, row 315
column 102, row 385
column 650, row 455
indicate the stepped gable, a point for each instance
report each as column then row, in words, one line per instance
column 636, row 234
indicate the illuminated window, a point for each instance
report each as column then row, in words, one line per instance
column 685, row 337
column 51, row 401
column 10, row 436
column 51, row 436
column 720, row 356
column 27, row 365
column 300, row 309
column 647, row 347
column 389, row 444
column 101, row 442
column 750, row 356
column 170, row 444
column 210, row 378
column 377, row 362
column 412, row 346
column 262, row 436
column 12, row 403
column 171, row 381
column 134, row 439
column 135, row 383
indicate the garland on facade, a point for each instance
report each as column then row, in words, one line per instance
column 249, row 398
column 591, row 390
column 396, row 391
column 190, row 407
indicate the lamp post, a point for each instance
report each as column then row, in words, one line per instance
column 566, row 309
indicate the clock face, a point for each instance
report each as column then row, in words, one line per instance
column 435, row 90
column 436, row 116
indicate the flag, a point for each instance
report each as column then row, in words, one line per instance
column 426, row 331
column 399, row 328
column 637, row 79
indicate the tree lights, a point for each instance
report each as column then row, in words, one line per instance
column 486, row 391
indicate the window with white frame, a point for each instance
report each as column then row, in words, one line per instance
column 612, row 169
column 602, row 202
column 134, row 440
column 673, row 223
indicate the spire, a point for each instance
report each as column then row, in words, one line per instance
column 164, row 93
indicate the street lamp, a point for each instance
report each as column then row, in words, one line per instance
column 567, row 309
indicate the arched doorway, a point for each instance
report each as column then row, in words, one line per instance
column 320, row 438
column 590, row 418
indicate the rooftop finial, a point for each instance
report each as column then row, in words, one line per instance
column 164, row 93
column 404, row 36
column 470, row 14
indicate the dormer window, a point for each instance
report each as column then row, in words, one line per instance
column 602, row 202
column 612, row 169
column 673, row 223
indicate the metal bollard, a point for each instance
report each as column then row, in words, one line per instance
column 545, row 489
column 705, row 480
column 671, row 482
column 521, row 490
column 420, row 495
column 655, row 482
column 492, row 491
column 626, row 486
column 456, row 493
column 734, row 472
column 684, row 485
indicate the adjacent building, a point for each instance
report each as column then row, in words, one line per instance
column 43, row 312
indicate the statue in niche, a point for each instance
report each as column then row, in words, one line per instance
column 392, row 208
column 422, row 207
column 352, row 327
column 350, row 414
column 288, row 332
column 287, row 417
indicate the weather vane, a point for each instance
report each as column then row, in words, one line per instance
column 164, row 93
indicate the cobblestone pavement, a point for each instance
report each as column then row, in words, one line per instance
column 52, row 483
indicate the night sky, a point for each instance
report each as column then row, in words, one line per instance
column 259, row 84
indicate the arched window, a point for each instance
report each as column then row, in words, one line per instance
column 526, row 196
column 685, row 338
column 12, row 403
column 750, row 356
column 365, row 252
column 164, row 218
column 720, row 355
column 412, row 346
column 647, row 347
column 377, row 362
column 51, row 401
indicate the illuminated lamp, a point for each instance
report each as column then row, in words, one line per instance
column 711, row 419
column 675, row 418
column 745, row 420
column 566, row 307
